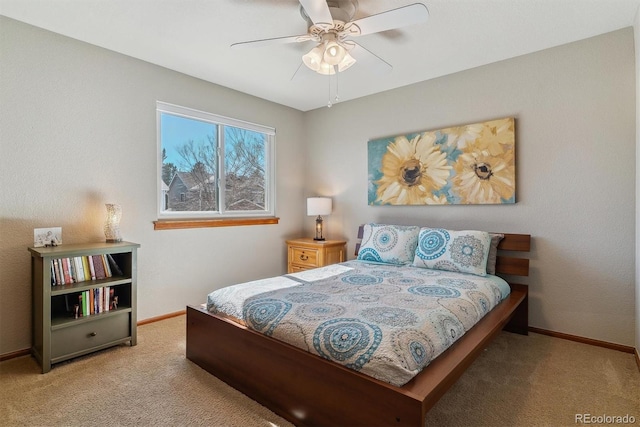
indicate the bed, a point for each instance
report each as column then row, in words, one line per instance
column 308, row 389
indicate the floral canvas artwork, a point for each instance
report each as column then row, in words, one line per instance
column 471, row 164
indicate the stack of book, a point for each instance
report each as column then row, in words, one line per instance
column 96, row 301
column 66, row 271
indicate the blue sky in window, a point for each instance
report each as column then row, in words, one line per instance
column 176, row 130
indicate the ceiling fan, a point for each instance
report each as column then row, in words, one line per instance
column 332, row 27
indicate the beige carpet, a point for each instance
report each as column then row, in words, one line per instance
column 518, row 381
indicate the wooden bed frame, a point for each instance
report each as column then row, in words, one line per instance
column 309, row 390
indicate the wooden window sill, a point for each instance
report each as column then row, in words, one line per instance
column 169, row 224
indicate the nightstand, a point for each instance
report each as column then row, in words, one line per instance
column 306, row 253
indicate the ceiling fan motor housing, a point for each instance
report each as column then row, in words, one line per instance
column 341, row 10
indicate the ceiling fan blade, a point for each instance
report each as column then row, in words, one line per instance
column 368, row 59
column 302, row 73
column 317, row 11
column 276, row 40
column 401, row 17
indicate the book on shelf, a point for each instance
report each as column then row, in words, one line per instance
column 83, row 308
column 59, row 275
column 66, row 271
column 98, row 267
column 105, row 264
column 72, row 270
column 56, row 271
column 79, row 269
column 92, row 270
column 92, row 307
column 114, row 266
column 93, row 301
column 85, row 267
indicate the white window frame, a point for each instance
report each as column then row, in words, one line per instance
column 221, row 121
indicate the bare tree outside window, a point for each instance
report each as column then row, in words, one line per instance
column 198, row 168
column 244, row 170
column 213, row 167
column 168, row 168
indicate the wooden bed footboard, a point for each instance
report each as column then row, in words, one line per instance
column 309, row 390
column 299, row 386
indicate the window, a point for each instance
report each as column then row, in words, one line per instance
column 212, row 166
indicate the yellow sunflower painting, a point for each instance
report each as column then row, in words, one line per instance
column 470, row 164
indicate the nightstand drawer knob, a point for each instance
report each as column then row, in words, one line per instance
column 93, row 334
column 303, row 257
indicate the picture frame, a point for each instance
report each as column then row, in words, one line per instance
column 468, row 164
column 51, row 236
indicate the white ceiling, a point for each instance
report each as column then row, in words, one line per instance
column 194, row 37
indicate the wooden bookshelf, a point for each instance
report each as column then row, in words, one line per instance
column 60, row 332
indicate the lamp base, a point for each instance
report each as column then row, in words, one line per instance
column 114, row 240
column 319, row 235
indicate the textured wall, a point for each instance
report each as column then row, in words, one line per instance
column 575, row 153
column 78, row 130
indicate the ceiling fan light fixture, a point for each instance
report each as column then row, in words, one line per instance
column 320, row 60
column 326, row 69
column 313, row 59
column 334, row 53
column 346, row 62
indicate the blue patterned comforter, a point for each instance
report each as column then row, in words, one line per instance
column 385, row 321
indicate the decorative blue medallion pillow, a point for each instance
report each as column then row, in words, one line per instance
column 463, row 251
column 390, row 244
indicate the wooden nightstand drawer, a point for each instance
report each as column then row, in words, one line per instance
column 304, row 256
column 296, row 268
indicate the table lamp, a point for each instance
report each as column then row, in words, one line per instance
column 318, row 206
column 112, row 223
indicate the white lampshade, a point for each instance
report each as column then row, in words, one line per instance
column 318, row 206
column 326, row 69
column 313, row 59
column 333, row 53
column 346, row 62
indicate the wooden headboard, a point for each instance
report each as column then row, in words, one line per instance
column 509, row 264
column 505, row 263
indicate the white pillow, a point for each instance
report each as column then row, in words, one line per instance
column 464, row 251
column 390, row 244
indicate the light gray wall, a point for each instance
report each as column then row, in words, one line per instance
column 78, row 130
column 575, row 153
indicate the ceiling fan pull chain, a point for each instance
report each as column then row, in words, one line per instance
column 337, row 97
column 329, row 104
